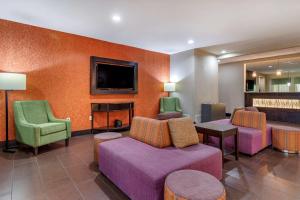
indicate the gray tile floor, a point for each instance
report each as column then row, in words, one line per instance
column 60, row 172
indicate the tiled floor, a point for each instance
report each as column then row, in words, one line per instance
column 69, row 173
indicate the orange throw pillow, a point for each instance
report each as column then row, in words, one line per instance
column 183, row 132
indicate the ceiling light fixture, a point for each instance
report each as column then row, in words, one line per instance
column 254, row 74
column 116, row 18
column 223, row 51
column 270, row 66
column 191, row 42
column 278, row 72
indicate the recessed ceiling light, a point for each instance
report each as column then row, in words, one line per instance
column 270, row 66
column 223, row 51
column 116, row 18
column 191, row 42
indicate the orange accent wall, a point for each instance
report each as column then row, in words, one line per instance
column 57, row 65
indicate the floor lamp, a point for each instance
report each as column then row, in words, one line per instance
column 9, row 82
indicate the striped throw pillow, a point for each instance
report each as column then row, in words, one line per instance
column 151, row 131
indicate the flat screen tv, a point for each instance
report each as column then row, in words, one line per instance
column 109, row 76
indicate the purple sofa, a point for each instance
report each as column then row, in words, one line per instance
column 139, row 169
column 250, row 139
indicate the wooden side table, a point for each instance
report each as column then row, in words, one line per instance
column 220, row 131
column 102, row 137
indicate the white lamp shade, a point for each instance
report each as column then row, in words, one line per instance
column 169, row 87
column 12, row 81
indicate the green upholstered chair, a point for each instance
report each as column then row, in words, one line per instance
column 36, row 125
column 169, row 108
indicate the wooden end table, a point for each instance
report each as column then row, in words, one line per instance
column 220, row 131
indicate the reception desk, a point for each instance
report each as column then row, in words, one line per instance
column 283, row 107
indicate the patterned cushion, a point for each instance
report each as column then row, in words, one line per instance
column 183, row 132
column 252, row 119
column 234, row 111
column 151, row 131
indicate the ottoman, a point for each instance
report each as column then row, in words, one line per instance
column 193, row 185
column 102, row 137
column 286, row 139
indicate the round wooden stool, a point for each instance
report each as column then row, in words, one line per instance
column 102, row 137
column 193, row 185
column 286, row 139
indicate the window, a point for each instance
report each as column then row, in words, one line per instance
column 297, row 84
column 280, row 85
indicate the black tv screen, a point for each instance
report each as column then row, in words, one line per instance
column 115, row 77
column 109, row 76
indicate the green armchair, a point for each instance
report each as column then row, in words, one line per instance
column 36, row 125
column 169, row 108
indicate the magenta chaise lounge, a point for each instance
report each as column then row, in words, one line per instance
column 254, row 133
column 140, row 169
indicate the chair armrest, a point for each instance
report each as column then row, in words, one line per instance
column 28, row 133
column 178, row 106
column 67, row 122
column 161, row 103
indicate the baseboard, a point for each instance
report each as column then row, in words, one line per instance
column 74, row 134
column 81, row 132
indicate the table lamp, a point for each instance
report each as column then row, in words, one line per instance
column 169, row 87
column 9, row 82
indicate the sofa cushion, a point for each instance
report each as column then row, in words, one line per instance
column 139, row 169
column 35, row 112
column 151, row 131
column 48, row 128
column 183, row 132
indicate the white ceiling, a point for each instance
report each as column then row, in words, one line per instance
column 164, row 25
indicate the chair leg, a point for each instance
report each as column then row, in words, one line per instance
column 67, row 142
column 36, row 151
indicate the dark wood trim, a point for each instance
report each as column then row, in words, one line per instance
column 94, row 61
column 81, row 132
column 111, row 107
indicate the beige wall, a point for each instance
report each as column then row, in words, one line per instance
column 182, row 68
column 196, row 74
column 231, row 85
column 206, row 77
